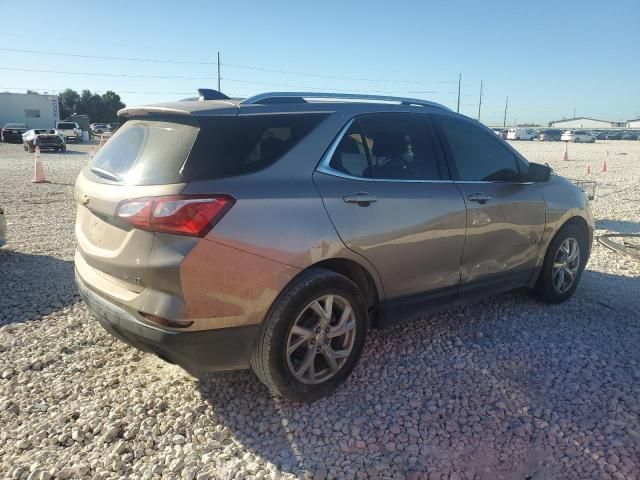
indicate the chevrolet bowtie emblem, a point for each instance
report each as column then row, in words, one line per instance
column 84, row 200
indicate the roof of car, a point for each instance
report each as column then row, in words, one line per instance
column 280, row 101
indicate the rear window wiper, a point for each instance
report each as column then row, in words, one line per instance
column 101, row 172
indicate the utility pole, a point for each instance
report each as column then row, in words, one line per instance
column 218, row 71
column 459, row 82
column 506, row 104
column 480, row 102
column 574, row 112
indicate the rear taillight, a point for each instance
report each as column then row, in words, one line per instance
column 192, row 215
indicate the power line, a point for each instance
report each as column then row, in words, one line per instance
column 321, row 75
column 99, row 91
column 101, row 57
column 105, row 74
column 166, row 77
column 232, row 65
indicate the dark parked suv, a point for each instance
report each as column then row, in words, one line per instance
column 549, row 135
column 273, row 232
column 12, row 132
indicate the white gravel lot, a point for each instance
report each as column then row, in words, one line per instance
column 505, row 388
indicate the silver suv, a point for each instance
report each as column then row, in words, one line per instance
column 273, row 232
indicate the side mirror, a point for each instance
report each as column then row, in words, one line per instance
column 538, row 172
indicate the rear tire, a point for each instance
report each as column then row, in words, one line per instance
column 552, row 285
column 303, row 355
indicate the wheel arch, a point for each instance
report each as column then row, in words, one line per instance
column 355, row 272
column 574, row 219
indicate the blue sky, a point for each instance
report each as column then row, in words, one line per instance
column 548, row 57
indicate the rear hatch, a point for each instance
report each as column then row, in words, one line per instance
column 143, row 159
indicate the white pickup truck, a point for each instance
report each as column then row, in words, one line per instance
column 69, row 131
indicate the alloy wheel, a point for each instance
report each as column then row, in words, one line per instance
column 565, row 265
column 321, row 339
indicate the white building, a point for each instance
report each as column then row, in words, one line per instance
column 633, row 123
column 584, row 122
column 37, row 111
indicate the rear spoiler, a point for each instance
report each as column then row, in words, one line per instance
column 126, row 113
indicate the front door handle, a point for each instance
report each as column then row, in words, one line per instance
column 361, row 198
column 479, row 197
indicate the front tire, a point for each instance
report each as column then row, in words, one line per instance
column 312, row 338
column 563, row 265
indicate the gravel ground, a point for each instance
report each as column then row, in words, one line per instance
column 505, row 388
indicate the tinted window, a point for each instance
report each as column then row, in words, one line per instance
column 478, row 156
column 350, row 156
column 66, row 126
column 389, row 147
column 230, row 146
column 145, row 153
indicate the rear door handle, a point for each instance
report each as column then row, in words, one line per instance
column 361, row 198
column 479, row 197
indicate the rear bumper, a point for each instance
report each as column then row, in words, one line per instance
column 12, row 137
column 197, row 352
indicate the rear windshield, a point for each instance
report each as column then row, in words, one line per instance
column 67, row 126
column 145, row 152
column 148, row 152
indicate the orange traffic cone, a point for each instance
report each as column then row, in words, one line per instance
column 588, row 169
column 565, row 155
column 604, row 167
column 39, row 169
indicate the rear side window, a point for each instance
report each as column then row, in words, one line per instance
column 477, row 155
column 231, row 146
column 389, row 146
column 350, row 156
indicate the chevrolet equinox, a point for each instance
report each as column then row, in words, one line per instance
column 272, row 232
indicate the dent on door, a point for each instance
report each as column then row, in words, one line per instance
column 504, row 229
column 413, row 233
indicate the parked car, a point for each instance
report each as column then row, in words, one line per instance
column 112, row 127
column 45, row 139
column 69, row 131
column 613, row 136
column 224, row 234
column 12, row 132
column 520, row 134
column 3, row 228
column 98, row 128
column 601, row 135
column 501, row 132
column 549, row 135
column 629, row 136
column 577, row 136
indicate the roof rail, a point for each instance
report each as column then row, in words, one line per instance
column 299, row 97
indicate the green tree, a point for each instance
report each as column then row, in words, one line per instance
column 68, row 101
column 99, row 108
column 112, row 103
